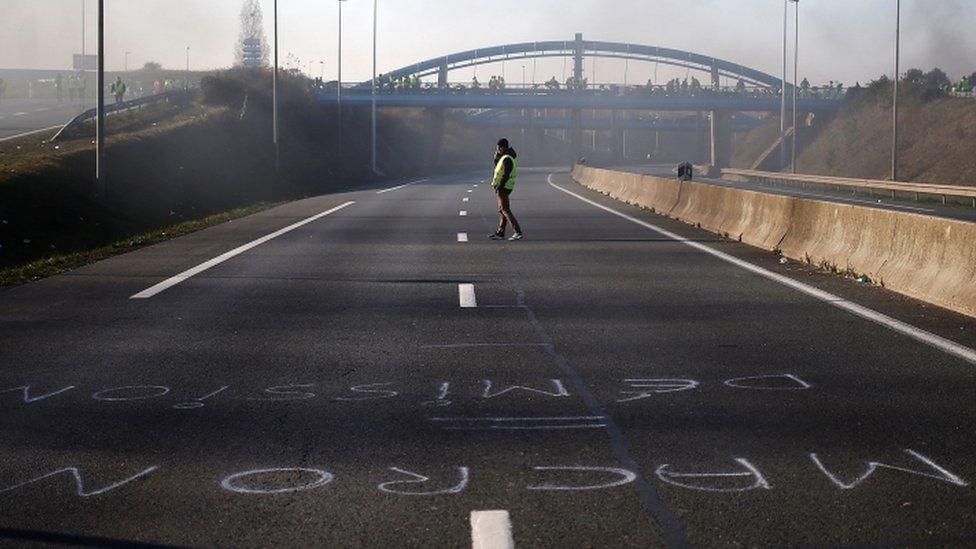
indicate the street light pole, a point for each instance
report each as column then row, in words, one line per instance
column 796, row 61
column 274, row 92
column 83, row 46
column 101, row 182
column 188, row 68
column 375, row 5
column 782, row 92
column 894, row 121
column 125, row 65
column 339, row 65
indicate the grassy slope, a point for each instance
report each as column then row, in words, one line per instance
column 747, row 148
column 938, row 142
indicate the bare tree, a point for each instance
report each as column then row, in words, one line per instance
column 252, row 28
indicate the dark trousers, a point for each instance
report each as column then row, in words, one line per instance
column 505, row 215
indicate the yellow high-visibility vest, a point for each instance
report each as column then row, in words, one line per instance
column 500, row 172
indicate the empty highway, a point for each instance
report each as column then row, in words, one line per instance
column 368, row 368
column 20, row 116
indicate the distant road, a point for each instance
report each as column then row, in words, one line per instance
column 831, row 195
column 368, row 369
column 19, row 116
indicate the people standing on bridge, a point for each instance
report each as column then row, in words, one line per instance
column 503, row 182
column 71, row 88
column 82, row 85
column 118, row 89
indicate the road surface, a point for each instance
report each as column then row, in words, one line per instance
column 368, row 369
column 19, row 116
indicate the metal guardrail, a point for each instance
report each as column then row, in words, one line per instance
column 968, row 194
column 115, row 108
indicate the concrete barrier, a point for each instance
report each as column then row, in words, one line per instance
column 929, row 258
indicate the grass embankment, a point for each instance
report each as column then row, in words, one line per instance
column 60, row 263
column 937, row 142
column 748, row 147
column 177, row 168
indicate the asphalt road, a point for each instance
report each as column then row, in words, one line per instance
column 877, row 199
column 19, row 116
column 607, row 385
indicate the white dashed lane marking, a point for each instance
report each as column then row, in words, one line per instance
column 466, row 297
column 491, row 530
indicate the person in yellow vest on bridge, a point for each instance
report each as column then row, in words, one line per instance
column 503, row 182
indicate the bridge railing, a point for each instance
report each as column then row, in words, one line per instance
column 645, row 90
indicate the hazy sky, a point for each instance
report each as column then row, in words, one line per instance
column 844, row 40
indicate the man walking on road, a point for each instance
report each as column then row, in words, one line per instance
column 503, row 181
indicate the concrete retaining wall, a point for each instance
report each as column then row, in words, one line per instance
column 928, row 258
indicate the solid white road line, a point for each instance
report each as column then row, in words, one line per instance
column 173, row 281
column 19, row 114
column 400, row 186
column 918, row 334
column 32, row 132
column 463, row 213
column 466, row 296
column 462, row 237
column 491, row 530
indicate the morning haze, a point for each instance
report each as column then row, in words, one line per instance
column 842, row 41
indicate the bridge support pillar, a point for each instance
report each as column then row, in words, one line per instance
column 721, row 146
column 617, row 138
column 576, row 134
column 442, row 75
column 699, row 155
column 539, row 141
column 578, row 58
column 434, row 138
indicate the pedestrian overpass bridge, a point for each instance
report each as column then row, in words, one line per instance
column 755, row 91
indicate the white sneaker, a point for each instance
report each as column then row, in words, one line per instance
column 516, row 236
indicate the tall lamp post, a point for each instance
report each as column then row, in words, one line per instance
column 274, row 92
column 796, row 61
column 375, row 5
column 125, row 65
column 339, row 77
column 84, row 50
column 100, row 179
column 188, row 68
column 782, row 91
column 894, row 121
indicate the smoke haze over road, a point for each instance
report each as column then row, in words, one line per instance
column 843, row 41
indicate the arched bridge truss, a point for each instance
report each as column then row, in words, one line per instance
column 580, row 49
